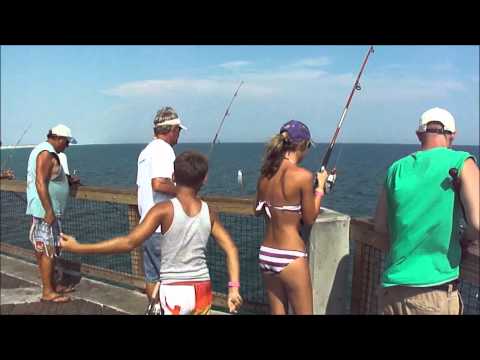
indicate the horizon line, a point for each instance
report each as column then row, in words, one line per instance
column 6, row 147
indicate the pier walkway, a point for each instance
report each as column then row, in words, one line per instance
column 21, row 292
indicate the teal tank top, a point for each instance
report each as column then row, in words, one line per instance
column 423, row 219
column 57, row 187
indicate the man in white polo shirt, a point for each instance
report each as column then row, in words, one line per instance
column 154, row 181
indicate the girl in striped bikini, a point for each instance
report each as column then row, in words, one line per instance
column 285, row 196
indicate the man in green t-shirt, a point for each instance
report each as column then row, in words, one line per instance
column 419, row 212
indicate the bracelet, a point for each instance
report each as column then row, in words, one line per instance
column 319, row 193
column 235, row 284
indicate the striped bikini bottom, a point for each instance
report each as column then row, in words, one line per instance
column 273, row 261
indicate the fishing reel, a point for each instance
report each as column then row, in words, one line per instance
column 453, row 172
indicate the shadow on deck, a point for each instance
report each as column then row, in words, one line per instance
column 20, row 297
column 21, row 292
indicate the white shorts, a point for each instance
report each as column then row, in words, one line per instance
column 186, row 297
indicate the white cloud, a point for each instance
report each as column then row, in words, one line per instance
column 158, row 87
column 313, row 62
column 443, row 67
column 298, row 83
column 183, row 87
column 234, row 64
column 395, row 90
column 297, row 92
column 393, row 67
column 284, row 75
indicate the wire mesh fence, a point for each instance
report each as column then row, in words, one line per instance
column 247, row 232
column 370, row 268
column 92, row 221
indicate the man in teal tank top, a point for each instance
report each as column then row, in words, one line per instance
column 420, row 211
column 47, row 195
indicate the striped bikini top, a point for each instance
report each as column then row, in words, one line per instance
column 266, row 206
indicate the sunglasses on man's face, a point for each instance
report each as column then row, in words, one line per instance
column 67, row 141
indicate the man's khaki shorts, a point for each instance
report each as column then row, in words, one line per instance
column 406, row 300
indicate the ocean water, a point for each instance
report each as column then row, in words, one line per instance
column 360, row 168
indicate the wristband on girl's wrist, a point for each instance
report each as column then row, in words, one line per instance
column 233, row 284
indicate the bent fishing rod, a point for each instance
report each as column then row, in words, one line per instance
column 356, row 87
column 227, row 112
column 18, row 142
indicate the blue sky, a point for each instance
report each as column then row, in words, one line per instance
column 110, row 94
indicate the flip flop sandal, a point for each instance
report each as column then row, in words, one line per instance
column 65, row 289
column 57, row 299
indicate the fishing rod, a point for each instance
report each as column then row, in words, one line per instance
column 356, row 87
column 18, row 142
column 227, row 112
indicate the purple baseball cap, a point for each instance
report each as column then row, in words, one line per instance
column 297, row 131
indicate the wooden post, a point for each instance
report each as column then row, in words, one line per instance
column 136, row 256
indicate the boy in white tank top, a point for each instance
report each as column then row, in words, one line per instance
column 187, row 223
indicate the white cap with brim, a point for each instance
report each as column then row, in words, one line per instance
column 171, row 122
column 62, row 130
column 437, row 114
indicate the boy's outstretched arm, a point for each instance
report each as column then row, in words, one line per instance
column 224, row 240
column 120, row 244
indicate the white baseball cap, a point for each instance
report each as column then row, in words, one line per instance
column 437, row 114
column 62, row 130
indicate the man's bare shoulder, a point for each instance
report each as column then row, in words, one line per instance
column 470, row 166
column 46, row 154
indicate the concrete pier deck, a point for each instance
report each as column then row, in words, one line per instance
column 20, row 292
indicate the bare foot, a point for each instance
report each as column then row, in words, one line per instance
column 56, row 298
column 65, row 289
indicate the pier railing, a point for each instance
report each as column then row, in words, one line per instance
column 98, row 213
column 368, row 262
